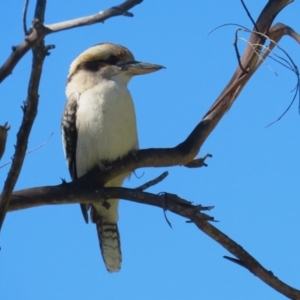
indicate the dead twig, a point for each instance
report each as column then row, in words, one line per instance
column 26, row 32
column 152, row 182
column 249, row 15
column 30, row 151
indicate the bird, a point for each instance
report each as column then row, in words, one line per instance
column 99, row 127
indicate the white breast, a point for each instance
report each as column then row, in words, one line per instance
column 106, row 125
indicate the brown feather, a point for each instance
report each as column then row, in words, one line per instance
column 69, row 136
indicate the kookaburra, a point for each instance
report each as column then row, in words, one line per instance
column 99, row 126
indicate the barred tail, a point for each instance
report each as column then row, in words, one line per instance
column 110, row 245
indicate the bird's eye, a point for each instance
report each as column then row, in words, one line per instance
column 95, row 65
column 112, row 60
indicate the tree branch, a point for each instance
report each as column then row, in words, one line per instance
column 25, row 17
column 30, row 111
column 119, row 10
column 184, row 153
column 39, row 31
column 79, row 192
column 248, row 261
column 152, row 182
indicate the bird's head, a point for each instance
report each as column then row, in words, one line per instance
column 107, row 60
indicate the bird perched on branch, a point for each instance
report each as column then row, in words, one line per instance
column 99, row 126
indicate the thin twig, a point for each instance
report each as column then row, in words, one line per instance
column 267, row 50
column 227, row 24
column 29, row 151
column 249, row 15
column 259, row 54
column 164, row 207
column 237, row 51
column 152, row 182
column 286, row 110
column 25, row 17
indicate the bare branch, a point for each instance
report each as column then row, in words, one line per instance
column 152, row 182
column 30, row 111
column 247, row 260
column 119, row 10
column 39, row 31
column 79, row 192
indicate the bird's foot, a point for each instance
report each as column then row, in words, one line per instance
column 134, row 153
column 103, row 166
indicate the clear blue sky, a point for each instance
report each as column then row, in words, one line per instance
column 252, row 179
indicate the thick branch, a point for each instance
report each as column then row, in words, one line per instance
column 78, row 192
column 40, row 10
column 184, row 153
column 39, row 31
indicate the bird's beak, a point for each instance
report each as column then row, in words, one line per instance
column 139, row 68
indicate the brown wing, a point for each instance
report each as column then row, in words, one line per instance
column 69, row 139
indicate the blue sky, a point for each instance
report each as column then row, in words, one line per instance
column 252, row 179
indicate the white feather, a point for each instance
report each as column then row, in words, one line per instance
column 106, row 125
